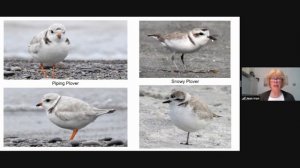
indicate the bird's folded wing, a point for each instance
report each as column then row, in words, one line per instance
column 201, row 109
column 68, row 115
column 101, row 111
column 70, row 108
column 36, row 43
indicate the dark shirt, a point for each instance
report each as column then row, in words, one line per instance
column 287, row 96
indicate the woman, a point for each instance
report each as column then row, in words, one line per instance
column 276, row 81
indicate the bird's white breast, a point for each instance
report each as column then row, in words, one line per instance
column 184, row 118
column 183, row 45
column 70, row 124
column 52, row 53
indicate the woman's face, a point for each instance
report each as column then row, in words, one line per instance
column 276, row 83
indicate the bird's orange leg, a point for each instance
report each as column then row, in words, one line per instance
column 74, row 133
column 43, row 70
column 53, row 71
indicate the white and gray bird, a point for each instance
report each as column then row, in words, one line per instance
column 49, row 47
column 184, row 42
column 188, row 112
column 70, row 113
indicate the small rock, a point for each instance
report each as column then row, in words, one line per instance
column 91, row 143
column 217, row 104
column 8, row 73
column 26, row 76
column 18, row 140
column 16, row 68
column 106, row 139
column 36, row 144
column 115, row 142
column 12, row 137
column 7, row 69
column 54, row 140
column 74, row 143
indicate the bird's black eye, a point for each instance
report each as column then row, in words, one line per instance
column 172, row 96
column 52, row 31
column 201, row 34
column 47, row 100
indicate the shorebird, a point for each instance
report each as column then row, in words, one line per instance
column 49, row 47
column 184, row 42
column 188, row 113
column 70, row 113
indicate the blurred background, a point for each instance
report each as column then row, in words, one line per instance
column 90, row 40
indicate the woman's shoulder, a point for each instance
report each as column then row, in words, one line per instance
column 287, row 96
column 265, row 95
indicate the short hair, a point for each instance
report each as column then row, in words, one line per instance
column 278, row 73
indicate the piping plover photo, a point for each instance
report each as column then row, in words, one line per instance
column 188, row 112
column 184, row 42
column 49, row 47
column 87, row 111
column 70, row 113
column 65, row 49
column 181, row 49
column 188, row 119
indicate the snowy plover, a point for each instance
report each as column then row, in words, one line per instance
column 70, row 113
column 188, row 112
column 187, row 42
column 49, row 47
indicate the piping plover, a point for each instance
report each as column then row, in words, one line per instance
column 49, row 47
column 188, row 112
column 187, row 42
column 70, row 113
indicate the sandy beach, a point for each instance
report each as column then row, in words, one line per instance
column 17, row 69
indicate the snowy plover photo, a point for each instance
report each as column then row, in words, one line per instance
column 188, row 112
column 65, row 49
column 189, row 117
column 46, row 117
column 194, row 49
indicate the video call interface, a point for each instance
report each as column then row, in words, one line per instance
column 268, row 85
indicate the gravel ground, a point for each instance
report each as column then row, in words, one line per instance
column 58, row 142
column 34, row 129
column 89, row 70
column 211, row 61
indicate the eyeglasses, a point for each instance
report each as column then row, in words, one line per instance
column 276, row 79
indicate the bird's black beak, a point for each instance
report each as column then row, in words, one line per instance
column 212, row 38
column 167, row 101
column 39, row 104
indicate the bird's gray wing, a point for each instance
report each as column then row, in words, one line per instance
column 201, row 109
column 102, row 111
column 36, row 43
column 69, row 108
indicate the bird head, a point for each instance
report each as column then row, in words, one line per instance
column 49, row 101
column 202, row 35
column 56, row 32
column 177, row 97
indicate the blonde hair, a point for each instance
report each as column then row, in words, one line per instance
column 277, row 73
